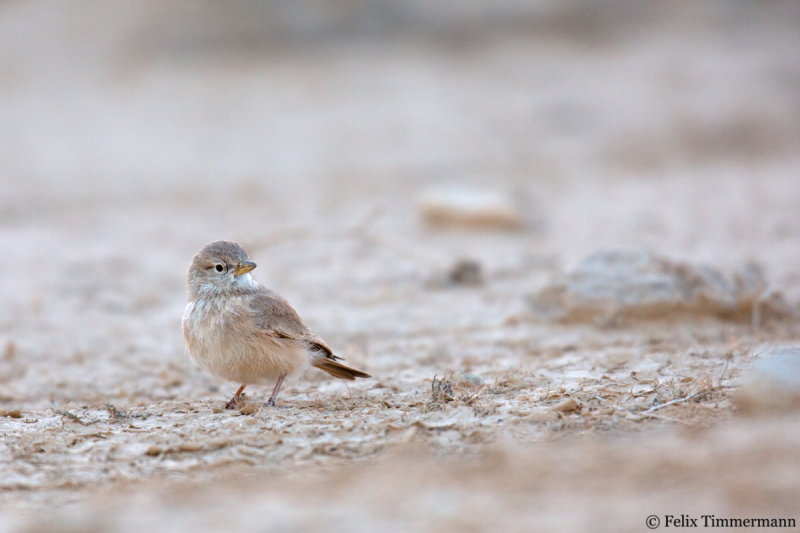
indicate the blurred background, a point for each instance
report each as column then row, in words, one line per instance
column 373, row 155
column 668, row 124
column 133, row 134
column 320, row 100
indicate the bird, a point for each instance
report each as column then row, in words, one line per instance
column 239, row 331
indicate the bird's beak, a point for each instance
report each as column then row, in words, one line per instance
column 244, row 268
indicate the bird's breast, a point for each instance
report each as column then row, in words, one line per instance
column 221, row 338
column 206, row 323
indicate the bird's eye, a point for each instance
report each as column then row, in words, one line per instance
column 219, row 267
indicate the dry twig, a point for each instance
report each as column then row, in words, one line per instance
column 698, row 394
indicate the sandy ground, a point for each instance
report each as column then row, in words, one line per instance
column 121, row 160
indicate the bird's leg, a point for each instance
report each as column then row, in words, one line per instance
column 271, row 401
column 233, row 403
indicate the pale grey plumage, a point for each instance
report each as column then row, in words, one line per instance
column 240, row 331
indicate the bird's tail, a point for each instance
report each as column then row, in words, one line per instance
column 337, row 369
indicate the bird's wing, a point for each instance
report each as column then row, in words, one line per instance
column 274, row 316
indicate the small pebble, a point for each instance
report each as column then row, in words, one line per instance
column 567, row 406
column 249, row 409
column 465, row 206
column 465, row 272
column 773, row 384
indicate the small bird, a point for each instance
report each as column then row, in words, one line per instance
column 242, row 332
